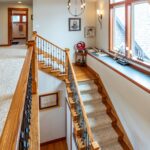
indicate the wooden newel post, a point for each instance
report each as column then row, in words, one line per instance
column 34, row 34
column 32, row 44
column 67, row 60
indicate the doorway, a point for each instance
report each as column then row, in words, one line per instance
column 17, row 26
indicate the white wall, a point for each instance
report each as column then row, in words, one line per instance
column 52, row 121
column 4, row 20
column 51, row 21
column 131, row 103
column 102, row 38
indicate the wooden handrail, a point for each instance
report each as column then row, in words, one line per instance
column 11, row 132
column 50, row 42
column 81, row 102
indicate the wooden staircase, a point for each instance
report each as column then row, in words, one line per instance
column 51, row 58
column 105, row 124
column 96, row 124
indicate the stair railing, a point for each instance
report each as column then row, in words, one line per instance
column 21, row 130
column 50, row 54
column 84, row 137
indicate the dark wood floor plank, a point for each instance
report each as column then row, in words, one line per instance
column 59, row 145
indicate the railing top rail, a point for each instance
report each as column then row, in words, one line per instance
column 50, row 42
column 81, row 102
column 11, row 132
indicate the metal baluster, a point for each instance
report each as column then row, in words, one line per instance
column 57, row 58
column 63, row 62
column 25, row 128
column 52, row 56
column 48, row 54
column 43, row 50
column 38, row 48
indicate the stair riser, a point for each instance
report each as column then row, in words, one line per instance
column 88, row 91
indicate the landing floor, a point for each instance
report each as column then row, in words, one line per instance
column 59, row 145
column 83, row 73
column 11, row 62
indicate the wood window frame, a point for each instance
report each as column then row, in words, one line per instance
column 128, row 29
column 21, row 17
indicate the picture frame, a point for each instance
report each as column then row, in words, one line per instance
column 89, row 32
column 48, row 100
column 74, row 24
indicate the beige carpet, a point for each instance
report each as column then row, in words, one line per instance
column 99, row 120
column 11, row 62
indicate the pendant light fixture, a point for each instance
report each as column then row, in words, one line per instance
column 77, row 11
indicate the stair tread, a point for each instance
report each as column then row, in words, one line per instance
column 113, row 146
column 106, row 136
column 91, row 96
column 99, row 120
column 87, row 87
column 86, row 82
column 55, row 70
column 95, row 107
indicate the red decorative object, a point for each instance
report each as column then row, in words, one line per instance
column 80, row 46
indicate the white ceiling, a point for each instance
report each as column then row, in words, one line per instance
column 15, row 1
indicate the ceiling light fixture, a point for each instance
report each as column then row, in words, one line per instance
column 19, row 2
column 82, row 7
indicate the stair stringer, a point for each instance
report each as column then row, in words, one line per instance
column 124, row 140
column 51, row 72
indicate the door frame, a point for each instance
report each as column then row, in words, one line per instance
column 10, row 23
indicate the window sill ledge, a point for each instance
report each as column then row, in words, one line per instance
column 137, row 77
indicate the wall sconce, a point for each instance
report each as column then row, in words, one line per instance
column 100, row 16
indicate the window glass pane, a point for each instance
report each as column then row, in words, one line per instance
column 24, row 18
column 119, row 29
column 116, row 1
column 141, row 31
column 16, row 18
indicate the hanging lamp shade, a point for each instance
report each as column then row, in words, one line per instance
column 76, row 7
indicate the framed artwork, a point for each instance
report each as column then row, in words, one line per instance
column 89, row 32
column 48, row 100
column 74, row 24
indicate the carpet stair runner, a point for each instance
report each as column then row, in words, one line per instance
column 99, row 120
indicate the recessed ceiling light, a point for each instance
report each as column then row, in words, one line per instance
column 19, row 2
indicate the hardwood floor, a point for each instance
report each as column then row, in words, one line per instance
column 83, row 73
column 58, row 145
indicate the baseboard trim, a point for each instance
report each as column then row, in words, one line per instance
column 18, row 38
column 52, row 141
column 2, row 45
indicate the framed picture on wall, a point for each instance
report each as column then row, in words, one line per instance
column 89, row 32
column 48, row 100
column 74, row 24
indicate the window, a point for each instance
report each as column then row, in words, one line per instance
column 141, row 31
column 119, row 29
column 116, row 1
column 16, row 18
column 130, row 29
column 24, row 18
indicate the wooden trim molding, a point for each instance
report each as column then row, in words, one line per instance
column 2, row 45
column 10, row 23
column 123, row 75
